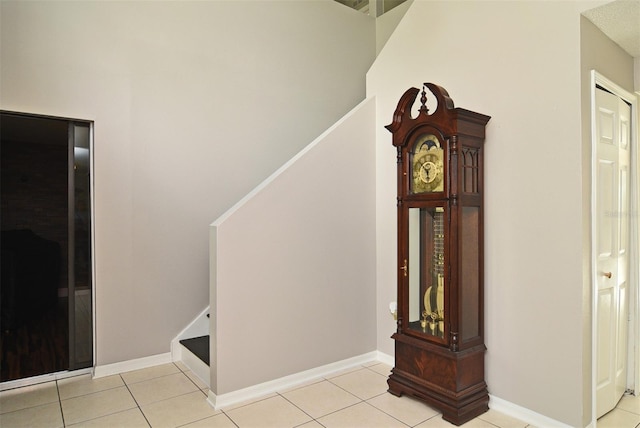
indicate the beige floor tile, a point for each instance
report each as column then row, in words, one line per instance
column 195, row 379
column 406, row 409
column 85, row 384
column 91, row 406
column 363, row 383
column 502, row 420
column 46, row 415
column 310, row 424
column 361, row 415
column 438, row 422
column 179, row 410
column 618, row 419
column 28, row 396
column 247, row 402
column 343, row 372
column 336, row 401
column 161, row 388
column 301, row 385
column 273, row 412
column 141, row 375
column 132, row 418
column 321, row 398
column 217, row 421
column 381, row 368
column 630, row 404
column 182, row 366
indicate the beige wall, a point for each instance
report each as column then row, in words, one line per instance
column 518, row 62
column 293, row 265
column 387, row 23
column 194, row 104
column 597, row 52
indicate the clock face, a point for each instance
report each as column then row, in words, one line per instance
column 428, row 166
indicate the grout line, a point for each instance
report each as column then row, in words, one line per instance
column 229, row 417
column 137, row 406
column 624, row 410
column 320, row 423
column 103, row 416
column 60, row 403
column 194, row 382
column 382, row 411
column 135, row 401
column 490, row 423
column 85, row 394
column 344, row 408
column 179, row 368
column 151, row 378
column 297, row 407
column 207, row 417
column 248, row 403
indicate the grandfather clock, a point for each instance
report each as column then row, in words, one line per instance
column 439, row 342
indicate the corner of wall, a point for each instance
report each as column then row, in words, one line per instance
column 213, row 307
column 636, row 75
column 387, row 23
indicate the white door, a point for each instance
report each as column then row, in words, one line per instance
column 613, row 155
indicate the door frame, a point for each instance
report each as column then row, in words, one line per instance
column 633, row 355
column 89, row 370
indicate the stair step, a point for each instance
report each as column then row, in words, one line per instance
column 199, row 346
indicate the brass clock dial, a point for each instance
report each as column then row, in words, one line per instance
column 428, row 170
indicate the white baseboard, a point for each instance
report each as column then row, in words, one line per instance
column 195, row 364
column 386, row 359
column 266, row 388
column 136, row 364
column 523, row 414
column 19, row 383
column 263, row 389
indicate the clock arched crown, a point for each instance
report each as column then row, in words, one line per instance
column 404, row 124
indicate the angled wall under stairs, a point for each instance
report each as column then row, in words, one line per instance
column 293, row 264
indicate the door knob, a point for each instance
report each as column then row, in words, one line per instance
column 607, row 274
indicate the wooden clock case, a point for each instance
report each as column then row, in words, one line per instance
column 442, row 366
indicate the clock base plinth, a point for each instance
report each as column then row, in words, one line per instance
column 451, row 382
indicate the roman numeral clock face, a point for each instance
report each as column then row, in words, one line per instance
column 427, row 165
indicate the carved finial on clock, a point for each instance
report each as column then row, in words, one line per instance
column 423, row 100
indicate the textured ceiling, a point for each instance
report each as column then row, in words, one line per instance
column 620, row 21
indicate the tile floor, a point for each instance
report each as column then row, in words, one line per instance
column 626, row 414
column 170, row 396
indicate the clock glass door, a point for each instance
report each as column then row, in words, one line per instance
column 426, row 273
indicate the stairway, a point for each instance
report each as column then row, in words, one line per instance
column 192, row 347
column 198, row 346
